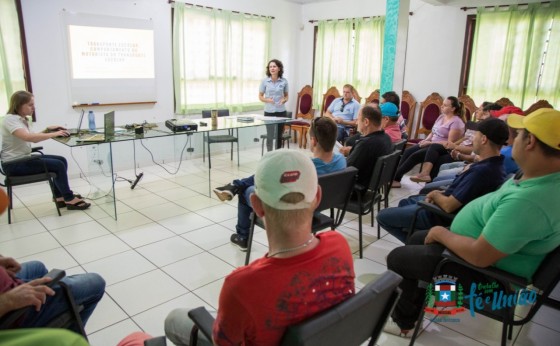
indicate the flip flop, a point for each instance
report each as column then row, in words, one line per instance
column 81, row 205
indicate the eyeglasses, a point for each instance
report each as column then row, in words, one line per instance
column 342, row 107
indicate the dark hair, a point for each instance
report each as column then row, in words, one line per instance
column 490, row 106
column 18, row 99
column 547, row 150
column 458, row 108
column 391, row 96
column 324, row 130
column 372, row 114
column 280, row 67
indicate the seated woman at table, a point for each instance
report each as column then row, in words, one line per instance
column 449, row 127
column 16, row 144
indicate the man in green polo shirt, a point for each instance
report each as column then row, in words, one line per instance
column 513, row 228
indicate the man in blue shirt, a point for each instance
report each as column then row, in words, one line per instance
column 344, row 112
column 482, row 177
column 322, row 133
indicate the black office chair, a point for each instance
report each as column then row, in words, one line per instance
column 336, row 189
column 286, row 135
column 65, row 320
column 367, row 196
column 543, row 283
column 210, row 139
column 350, row 323
column 10, row 180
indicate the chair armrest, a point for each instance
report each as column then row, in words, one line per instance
column 156, row 341
column 490, row 271
column 37, row 150
column 436, row 210
column 203, row 320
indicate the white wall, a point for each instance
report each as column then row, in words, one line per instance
column 435, row 44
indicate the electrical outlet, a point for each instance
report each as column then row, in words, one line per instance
column 99, row 162
column 256, row 140
column 190, row 150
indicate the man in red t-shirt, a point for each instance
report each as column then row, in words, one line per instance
column 300, row 276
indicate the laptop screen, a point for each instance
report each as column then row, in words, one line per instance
column 109, row 125
column 79, row 127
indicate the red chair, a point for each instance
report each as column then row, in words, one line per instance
column 373, row 97
column 470, row 107
column 328, row 97
column 304, row 111
column 430, row 110
column 408, row 106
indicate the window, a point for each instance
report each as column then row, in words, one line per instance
column 348, row 51
column 219, row 59
column 515, row 54
column 12, row 72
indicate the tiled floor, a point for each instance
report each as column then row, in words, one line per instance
column 170, row 248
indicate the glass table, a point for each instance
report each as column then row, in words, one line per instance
column 101, row 156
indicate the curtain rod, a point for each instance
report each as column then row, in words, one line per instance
column 219, row 9
column 332, row 20
column 474, row 8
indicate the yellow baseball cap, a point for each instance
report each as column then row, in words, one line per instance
column 544, row 123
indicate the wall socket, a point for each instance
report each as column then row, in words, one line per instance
column 256, row 140
column 99, row 162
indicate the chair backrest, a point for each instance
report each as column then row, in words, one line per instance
column 547, row 276
column 400, row 145
column 373, row 97
column 390, row 168
column 504, row 102
column 408, row 106
column 207, row 113
column 353, row 321
column 470, row 107
column 430, row 110
column 336, row 188
column 304, row 105
column 328, row 97
column 356, row 96
column 382, row 170
column 537, row 105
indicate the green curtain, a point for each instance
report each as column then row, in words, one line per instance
column 219, row 59
column 508, row 52
column 348, row 51
column 333, row 57
column 11, row 68
column 368, row 57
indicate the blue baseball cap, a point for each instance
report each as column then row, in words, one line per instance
column 389, row 109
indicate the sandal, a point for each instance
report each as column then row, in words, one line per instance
column 81, row 205
column 421, row 178
column 62, row 204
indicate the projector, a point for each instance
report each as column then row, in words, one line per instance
column 181, row 125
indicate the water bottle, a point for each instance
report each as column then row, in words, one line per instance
column 91, row 119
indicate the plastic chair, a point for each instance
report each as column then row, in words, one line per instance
column 542, row 284
column 12, row 180
column 351, row 323
column 368, row 196
column 210, row 139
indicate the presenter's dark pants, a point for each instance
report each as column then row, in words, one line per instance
column 274, row 131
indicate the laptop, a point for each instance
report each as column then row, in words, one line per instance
column 76, row 131
column 108, row 127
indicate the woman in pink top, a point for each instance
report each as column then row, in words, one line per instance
column 449, row 127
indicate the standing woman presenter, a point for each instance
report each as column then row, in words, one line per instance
column 16, row 144
column 273, row 91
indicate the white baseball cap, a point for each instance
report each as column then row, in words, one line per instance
column 284, row 171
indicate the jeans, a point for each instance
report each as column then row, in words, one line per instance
column 274, row 131
column 87, row 290
column 437, row 184
column 397, row 221
column 417, row 262
column 342, row 134
column 244, row 208
column 178, row 327
column 55, row 164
